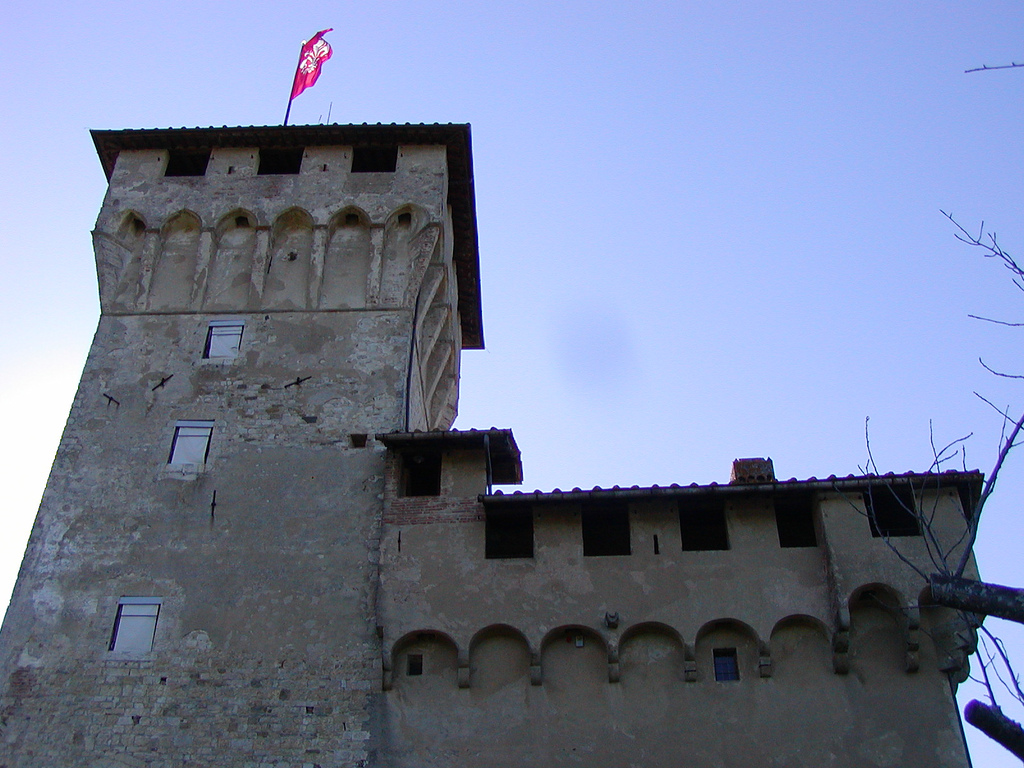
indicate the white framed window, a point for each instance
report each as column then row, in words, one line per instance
column 191, row 442
column 135, row 624
column 223, row 339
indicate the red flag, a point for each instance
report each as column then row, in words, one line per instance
column 315, row 52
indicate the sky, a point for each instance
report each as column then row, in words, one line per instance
column 707, row 230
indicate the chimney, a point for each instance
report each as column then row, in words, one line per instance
column 752, row 471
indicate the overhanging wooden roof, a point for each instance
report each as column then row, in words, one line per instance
column 454, row 136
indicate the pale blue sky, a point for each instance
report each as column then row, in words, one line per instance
column 707, row 230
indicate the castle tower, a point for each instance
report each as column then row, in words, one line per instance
column 201, row 573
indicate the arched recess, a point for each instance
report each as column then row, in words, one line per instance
column 574, row 660
column 652, row 655
column 499, row 656
column 878, row 630
column 347, row 260
column 290, row 266
column 409, row 241
column 801, row 648
column 119, row 260
column 423, row 662
column 728, row 638
column 174, row 275
column 231, row 266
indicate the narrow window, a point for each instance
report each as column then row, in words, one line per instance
column 794, row 520
column 187, row 162
column 414, row 664
column 892, row 511
column 702, row 525
column 280, row 161
column 223, row 339
column 191, row 443
column 421, row 474
column 135, row 624
column 374, row 159
column 727, row 667
column 508, row 533
column 605, row 530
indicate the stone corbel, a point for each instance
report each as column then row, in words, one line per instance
column 317, row 258
column 536, row 674
column 261, row 253
column 613, row 664
column 463, row 674
column 202, row 276
column 689, row 664
column 913, row 656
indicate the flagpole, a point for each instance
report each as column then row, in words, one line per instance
column 291, row 96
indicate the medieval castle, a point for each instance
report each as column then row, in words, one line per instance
column 261, row 544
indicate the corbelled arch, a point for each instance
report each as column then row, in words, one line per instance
column 230, row 272
column 348, row 260
column 437, row 652
column 499, row 655
column 175, row 272
column 289, row 265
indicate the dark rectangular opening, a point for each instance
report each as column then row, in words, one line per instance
column 374, row 159
column 727, row 666
column 794, row 519
column 702, row 525
column 280, row 161
column 187, row 162
column 509, row 533
column 891, row 511
column 605, row 530
column 421, row 474
column 414, row 664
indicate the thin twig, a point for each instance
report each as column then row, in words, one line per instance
column 986, row 67
column 997, row 322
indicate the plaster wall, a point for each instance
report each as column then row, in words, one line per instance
column 566, row 659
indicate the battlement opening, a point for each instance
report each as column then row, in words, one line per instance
column 280, row 161
column 187, row 162
column 374, row 159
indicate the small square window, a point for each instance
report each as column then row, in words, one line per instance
column 191, row 443
column 508, row 533
column 892, row 511
column 702, row 525
column 794, row 520
column 421, row 474
column 605, row 530
column 135, row 624
column 727, row 666
column 223, row 339
column 414, row 664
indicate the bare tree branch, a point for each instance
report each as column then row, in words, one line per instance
column 997, row 322
column 998, row 373
column 986, row 67
column 991, row 721
column 990, row 485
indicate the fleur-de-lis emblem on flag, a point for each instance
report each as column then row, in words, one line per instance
column 315, row 52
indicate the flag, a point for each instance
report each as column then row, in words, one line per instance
column 315, row 52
